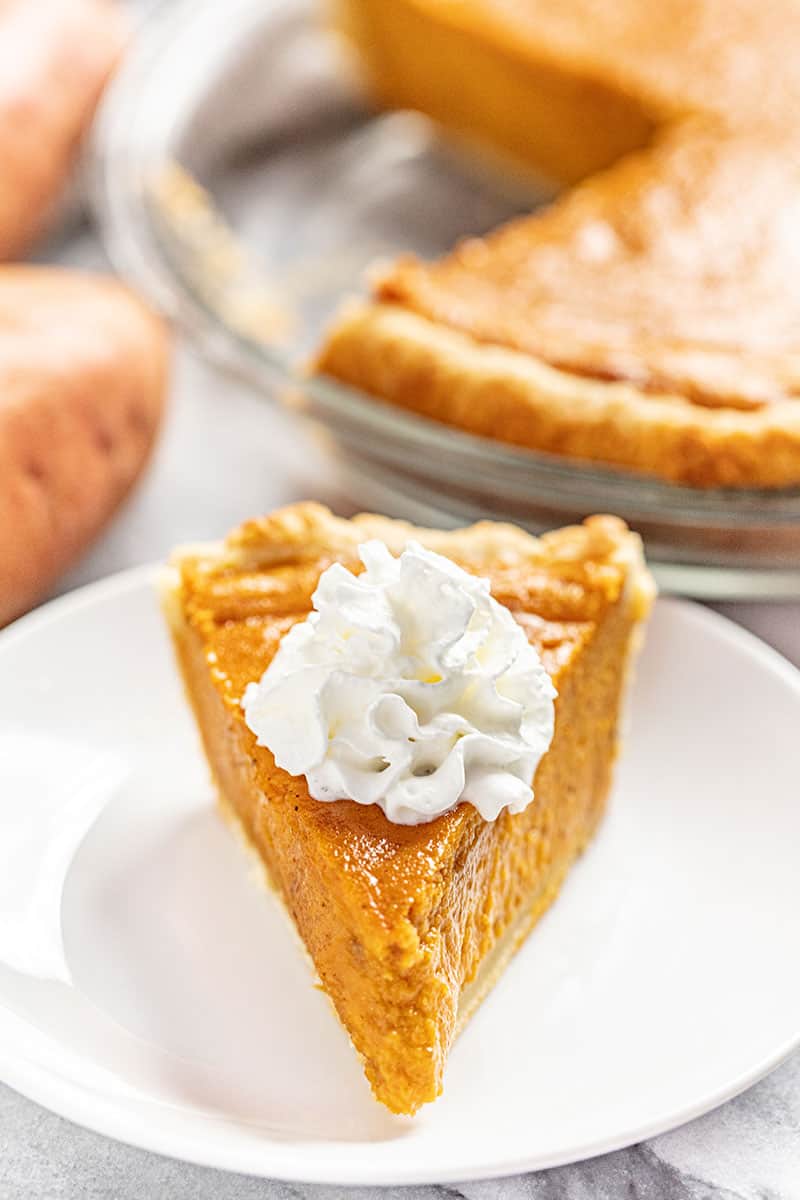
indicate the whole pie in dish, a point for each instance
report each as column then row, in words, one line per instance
column 409, row 926
column 649, row 318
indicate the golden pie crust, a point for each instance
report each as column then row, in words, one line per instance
column 649, row 318
column 409, row 927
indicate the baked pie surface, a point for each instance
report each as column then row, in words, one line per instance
column 649, row 318
column 408, row 927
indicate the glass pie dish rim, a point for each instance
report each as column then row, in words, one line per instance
column 120, row 175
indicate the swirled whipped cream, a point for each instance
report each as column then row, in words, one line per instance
column 409, row 687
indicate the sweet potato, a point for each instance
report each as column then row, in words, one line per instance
column 83, row 373
column 55, row 56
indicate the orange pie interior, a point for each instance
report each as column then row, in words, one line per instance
column 649, row 318
column 408, row 927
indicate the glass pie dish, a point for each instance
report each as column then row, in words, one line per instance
column 243, row 185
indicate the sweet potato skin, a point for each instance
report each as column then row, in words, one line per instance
column 83, row 379
column 55, row 58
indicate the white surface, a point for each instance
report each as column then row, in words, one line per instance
column 664, row 980
column 63, row 786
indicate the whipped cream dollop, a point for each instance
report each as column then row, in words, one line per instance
column 409, row 687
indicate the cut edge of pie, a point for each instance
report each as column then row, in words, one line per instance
column 409, row 927
column 399, row 357
column 459, row 66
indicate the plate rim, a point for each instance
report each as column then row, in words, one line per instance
column 332, row 1163
column 289, row 1162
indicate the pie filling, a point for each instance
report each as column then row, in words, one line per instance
column 409, row 926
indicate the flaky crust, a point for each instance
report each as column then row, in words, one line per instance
column 308, row 532
column 417, row 364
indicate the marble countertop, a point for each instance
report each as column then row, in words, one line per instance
column 224, row 455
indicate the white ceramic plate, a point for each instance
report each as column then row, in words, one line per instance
column 665, row 979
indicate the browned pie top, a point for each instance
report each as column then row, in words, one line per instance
column 677, row 270
column 243, row 596
column 734, row 58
